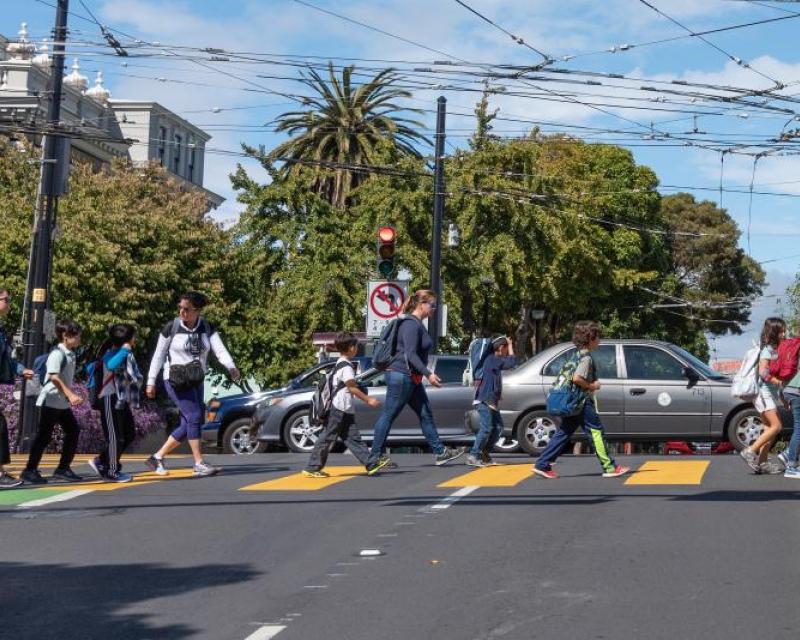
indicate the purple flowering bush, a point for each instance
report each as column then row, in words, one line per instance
column 147, row 419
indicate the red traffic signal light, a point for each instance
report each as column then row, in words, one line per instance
column 386, row 240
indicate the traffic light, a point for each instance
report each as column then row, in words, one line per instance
column 386, row 240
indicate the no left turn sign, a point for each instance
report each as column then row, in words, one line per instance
column 385, row 300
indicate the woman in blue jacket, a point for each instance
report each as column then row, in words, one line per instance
column 404, row 382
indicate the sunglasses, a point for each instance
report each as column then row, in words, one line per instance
column 5, row 299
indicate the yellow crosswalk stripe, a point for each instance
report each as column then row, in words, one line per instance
column 669, row 472
column 500, row 476
column 138, row 480
column 298, row 482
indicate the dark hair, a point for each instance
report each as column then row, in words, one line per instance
column 584, row 332
column 195, row 298
column 417, row 298
column 499, row 342
column 770, row 334
column 344, row 341
column 67, row 328
column 118, row 334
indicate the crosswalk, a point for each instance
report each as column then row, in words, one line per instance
column 650, row 472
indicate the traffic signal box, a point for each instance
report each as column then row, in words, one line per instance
column 386, row 247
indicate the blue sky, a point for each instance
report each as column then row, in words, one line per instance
column 581, row 28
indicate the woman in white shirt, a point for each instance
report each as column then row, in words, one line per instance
column 182, row 352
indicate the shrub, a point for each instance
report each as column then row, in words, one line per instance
column 147, row 419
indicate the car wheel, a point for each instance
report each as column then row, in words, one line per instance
column 744, row 428
column 240, row 438
column 506, row 445
column 535, row 431
column 298, row 434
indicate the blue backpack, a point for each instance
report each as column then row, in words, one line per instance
column 479, row 350
column 386, row 347
column 40, row 366
column 565, row 397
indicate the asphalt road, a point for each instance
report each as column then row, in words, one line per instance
column 581, row 557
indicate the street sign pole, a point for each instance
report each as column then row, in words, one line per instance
column 38, row 285
column 438, row 214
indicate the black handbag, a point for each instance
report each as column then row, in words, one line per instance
column 186, row 376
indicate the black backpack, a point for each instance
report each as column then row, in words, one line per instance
column 386, row 346
column 324, row 393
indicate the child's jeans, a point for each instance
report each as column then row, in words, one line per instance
column 592, row 427
column 490, row 431
column 794, row 444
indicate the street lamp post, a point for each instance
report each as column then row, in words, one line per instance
column 537, row 315
column 487, row 283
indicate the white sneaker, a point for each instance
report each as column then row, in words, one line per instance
column 202, row 470
column 156, row 465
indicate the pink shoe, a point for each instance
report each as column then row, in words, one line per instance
column 549, row 473
column 619, row 470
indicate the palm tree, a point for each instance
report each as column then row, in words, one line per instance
column 346, row 125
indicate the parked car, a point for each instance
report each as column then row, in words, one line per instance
column 287, row 418
column 229, row 418
column 683, row 448
column 651, row 390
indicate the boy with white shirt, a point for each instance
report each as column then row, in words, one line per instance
column 341, row 420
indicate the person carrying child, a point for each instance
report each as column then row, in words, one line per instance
column 487, row 394
column 54, row 402
column 340, row 423
column 770, row 393
column 118, row 392
column 586, row 337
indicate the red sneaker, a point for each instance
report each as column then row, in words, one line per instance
column 619, row 470
column 548, row 473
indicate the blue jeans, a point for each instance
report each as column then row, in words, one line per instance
column 401, row 391
column 794, row 443
column 489, row 433
column 592, row 427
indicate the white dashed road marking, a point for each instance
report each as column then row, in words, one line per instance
column 266, row 632
column 454, row 497
column 60, row 497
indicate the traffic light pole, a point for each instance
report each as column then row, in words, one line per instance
column 438, row 214
column 38, row 285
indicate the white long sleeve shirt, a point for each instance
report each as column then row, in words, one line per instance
column 179, row 350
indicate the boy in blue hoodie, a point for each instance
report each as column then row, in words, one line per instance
column 488, row 394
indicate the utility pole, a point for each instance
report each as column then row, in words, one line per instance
column 438, row 214
column 38, row 285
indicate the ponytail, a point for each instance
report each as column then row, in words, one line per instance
column 417, row 298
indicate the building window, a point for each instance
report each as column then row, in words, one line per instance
column 190, row 165
column 176, row 158
column 162, row 141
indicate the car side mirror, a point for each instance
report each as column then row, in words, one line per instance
column 691, row 374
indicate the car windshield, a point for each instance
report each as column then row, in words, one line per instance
column 310, row 378
column 698, row 364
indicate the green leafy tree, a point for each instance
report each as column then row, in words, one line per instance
column 712, row 273
column 128, row 241
column 345, row 124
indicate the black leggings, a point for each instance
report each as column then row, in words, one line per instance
column 49, row 418
column 5, row 448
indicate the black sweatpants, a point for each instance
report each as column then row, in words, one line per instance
column 49, row 418
column 340, row 425
column 119, row 431
column 5, row 447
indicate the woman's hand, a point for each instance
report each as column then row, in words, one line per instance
column 235, row 374
column 150, row 391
